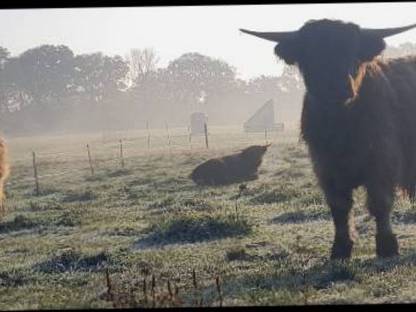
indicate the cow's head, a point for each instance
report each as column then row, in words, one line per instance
column 329, row 54
column 254, row 154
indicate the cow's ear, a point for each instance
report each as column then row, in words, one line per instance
column 288, row 50
column 370, row 47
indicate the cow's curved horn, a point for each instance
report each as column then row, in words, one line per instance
column 272, row 36
column 386, row 32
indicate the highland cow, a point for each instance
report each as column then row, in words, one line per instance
column 232, row 168
column 358, row 120
column 4, row 173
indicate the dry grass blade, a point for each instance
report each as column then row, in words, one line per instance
column 153, row 291
column 218, row 284
column 144, row 290
column 110, row 294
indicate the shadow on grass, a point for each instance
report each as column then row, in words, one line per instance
column 312, row 198
column 280, row 194
column 15, row 278
column 51, row 204
column 140, row 181
column 95, row 178
column 323, row 274
column 174, row 185
column 192, row 229
column 175, row 204
column 69, row 218
column 43, row 191
column 406, row 217
column 119, row 173
column 301, row 216
column 241, row 254
column 73, row 261
column 20, row 222
column 74, row 196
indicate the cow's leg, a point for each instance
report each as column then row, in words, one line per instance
column 380, row 201
column 340, row 203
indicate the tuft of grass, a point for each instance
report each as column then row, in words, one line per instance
column 163, row 203
column 48, row 190
column 14, row 278
column 197, row 204
column 74, row 196
column 95, row 178
column 332, row 273
column 70, row 260
column 69, row 218
column 279, row 194
column 119, row 173
column 190, row 228
column 407, row 216
column 236, row 253
column 301, row 216
column 171, row 203
column 19, row 222
column 52, row 204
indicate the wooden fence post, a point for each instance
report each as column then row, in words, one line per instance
column 167, row 131
column 265, row 135
column 121, row 154
column 148, row 135
column 35, row 173
column 89, row 159
column 206, row 134
column 190, row 137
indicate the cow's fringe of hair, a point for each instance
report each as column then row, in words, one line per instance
column 4, row 173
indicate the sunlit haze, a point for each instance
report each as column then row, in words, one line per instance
column 172, row 31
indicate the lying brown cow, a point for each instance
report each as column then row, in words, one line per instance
column 230, row 169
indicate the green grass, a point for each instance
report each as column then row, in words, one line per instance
column 94, row 241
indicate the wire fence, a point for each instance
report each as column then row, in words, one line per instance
column 117, row 148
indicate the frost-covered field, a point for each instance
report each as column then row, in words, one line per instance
column 145, row 235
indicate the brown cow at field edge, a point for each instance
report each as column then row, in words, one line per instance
column 358, row 120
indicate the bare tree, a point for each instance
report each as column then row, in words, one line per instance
column 141, row 63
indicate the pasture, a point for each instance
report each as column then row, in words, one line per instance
column 145, row 235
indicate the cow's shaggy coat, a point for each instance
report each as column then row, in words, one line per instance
column 229, row 169
column 358, row 120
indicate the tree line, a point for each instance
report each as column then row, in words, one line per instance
column 49, row 88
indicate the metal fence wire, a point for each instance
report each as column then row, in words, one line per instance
column 120, row 147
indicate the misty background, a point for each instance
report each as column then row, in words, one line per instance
column 48, row 88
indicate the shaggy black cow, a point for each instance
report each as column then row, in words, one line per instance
column 358, row 120
column 230, row 169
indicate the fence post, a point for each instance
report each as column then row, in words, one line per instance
column 148, row 135
column 265, row 135
column 121, row 154
column 89, row 159
column 206, row 134
column 35, row 173
column 167, row 131
column 190, row 137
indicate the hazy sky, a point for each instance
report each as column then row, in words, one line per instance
column 172, row 31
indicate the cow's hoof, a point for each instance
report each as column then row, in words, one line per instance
column 341, row 250
column 387, row 245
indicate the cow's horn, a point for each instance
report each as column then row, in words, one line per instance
column 272, row 36
column 386, row 32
